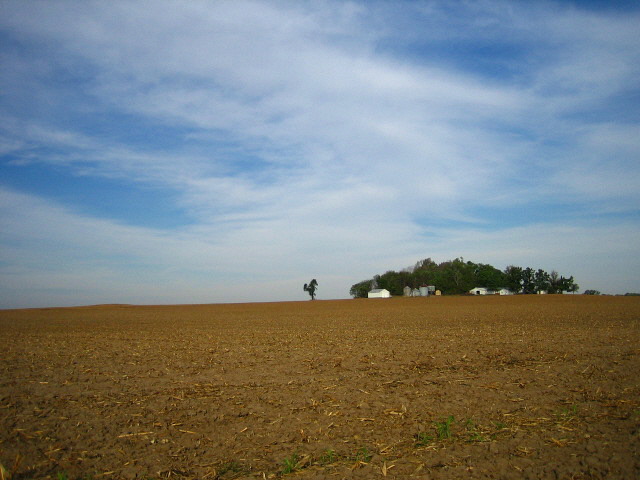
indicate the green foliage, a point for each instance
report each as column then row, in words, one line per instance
column 490, row 277
column 363, row 455
column 473, row 433
column 458, row 276
column 568, row 413
column 513, row 278
column 361, row 289
column 542, row 281
column 328, row 456
column 448, row 430
column 392, row 281
column 311, row 288
column 528, row 281
column 422, row 439
column 443, row 428
column 569, row 285
column 290, row 464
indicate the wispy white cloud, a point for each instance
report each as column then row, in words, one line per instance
column 332, row 137
column 57, row 252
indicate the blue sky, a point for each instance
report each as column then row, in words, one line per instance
column 196, row 152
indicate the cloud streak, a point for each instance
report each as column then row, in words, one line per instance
column 316, row 139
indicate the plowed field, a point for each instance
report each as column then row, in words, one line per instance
column 444, row 387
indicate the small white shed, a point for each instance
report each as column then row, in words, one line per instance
column 379, row 293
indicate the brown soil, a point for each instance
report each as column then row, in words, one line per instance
column 451, row 387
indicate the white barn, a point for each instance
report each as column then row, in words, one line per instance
column 486, row 291
column 480, row 291
column 379, row 293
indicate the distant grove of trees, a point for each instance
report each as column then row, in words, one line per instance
column 457, row 276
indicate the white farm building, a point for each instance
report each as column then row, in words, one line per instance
column 379, row 293
column 487, row 291
column 480, row 291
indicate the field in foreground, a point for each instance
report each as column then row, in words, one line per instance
column 452, row 387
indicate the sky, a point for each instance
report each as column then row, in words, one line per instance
column 230, row 151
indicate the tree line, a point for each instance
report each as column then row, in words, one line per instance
column 457, row 277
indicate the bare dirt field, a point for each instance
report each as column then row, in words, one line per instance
column 444, row 387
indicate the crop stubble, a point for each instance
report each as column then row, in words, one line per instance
column 523, row 387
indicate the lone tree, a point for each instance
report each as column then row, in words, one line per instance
column 311, row 288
